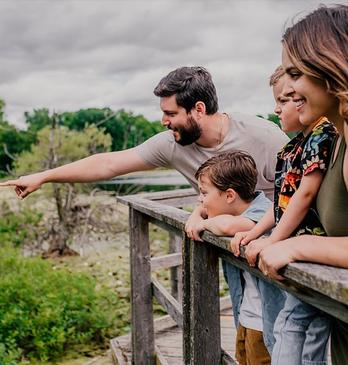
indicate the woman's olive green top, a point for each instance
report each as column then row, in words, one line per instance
column 332, row 200
column 332, row 205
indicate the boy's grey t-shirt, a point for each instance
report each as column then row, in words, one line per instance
column 259, row 137
column 250, row 311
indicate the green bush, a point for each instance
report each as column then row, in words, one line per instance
column 17, row 228
column 46, row 312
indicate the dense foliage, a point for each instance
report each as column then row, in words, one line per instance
column 20, row 227
column 68, row 145
column 43, row 311
column 12, row 142
column 126, row 129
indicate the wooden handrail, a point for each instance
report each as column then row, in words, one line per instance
column 322, row 286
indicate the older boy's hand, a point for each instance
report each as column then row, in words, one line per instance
column 242, row 239
column 236, row 242
column 255, row 247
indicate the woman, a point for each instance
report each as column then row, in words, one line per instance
column 315, row 57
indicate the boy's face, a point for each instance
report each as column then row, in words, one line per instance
column 285, row 108
column 213, row 200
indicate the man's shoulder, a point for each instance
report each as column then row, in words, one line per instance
column 254, row 122
column 250, row 128
column 158, row 140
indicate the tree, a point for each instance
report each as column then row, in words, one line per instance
column 57, row 146
column 126, row 129
column 12, row 142
column 37, row 119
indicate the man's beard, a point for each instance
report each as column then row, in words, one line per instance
column 190, row 133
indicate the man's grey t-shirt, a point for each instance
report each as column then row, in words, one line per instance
column 259, row 137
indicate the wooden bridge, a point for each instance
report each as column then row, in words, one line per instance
column 199, row 328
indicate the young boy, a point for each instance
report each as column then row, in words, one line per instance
column 227, row 193
column 300, row 168
column 299, row 171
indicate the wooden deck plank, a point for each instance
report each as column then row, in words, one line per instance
column 168, row 341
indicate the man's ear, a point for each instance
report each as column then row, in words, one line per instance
column 230, row 195
column 199, row 109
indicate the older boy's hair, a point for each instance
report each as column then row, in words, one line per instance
column 232, row 170
column 276, row 75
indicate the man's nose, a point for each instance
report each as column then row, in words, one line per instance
column 165, row 121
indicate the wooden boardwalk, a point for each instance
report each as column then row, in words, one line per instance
column 168, row 341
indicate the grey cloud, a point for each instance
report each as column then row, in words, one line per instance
column 68, row 55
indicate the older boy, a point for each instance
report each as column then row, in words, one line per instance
column 301, row 165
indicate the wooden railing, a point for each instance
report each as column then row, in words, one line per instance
column 195, row 305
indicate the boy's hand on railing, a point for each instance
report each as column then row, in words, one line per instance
column 255, row 247
column 242, row 239
column 236, row 242
column 193, row 226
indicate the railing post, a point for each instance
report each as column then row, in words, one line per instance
column 175, row 245
column 143, row 347
column 202, row 342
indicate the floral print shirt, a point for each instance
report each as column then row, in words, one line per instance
column 299, row 157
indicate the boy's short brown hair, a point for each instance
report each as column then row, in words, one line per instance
column 232, row 170
column 276, row 75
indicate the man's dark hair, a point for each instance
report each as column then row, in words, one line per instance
column 189, row 84
column 231, row 170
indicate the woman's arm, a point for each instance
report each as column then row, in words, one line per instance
column 326, row 250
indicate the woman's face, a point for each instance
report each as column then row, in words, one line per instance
column 310, row 95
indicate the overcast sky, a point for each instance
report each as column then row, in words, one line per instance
column 68, row 55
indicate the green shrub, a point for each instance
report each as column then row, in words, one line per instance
column 17, row 228
column 46, row 312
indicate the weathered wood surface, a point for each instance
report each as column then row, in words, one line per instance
column 143, row 347
column 167, row 301
column 203, row 331
column 175, row 246
column 166, row 262
column 169, row 342
column 331, row 282
column 166, row 214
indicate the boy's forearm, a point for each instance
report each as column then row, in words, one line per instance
column 227, row 225
column 264, row 224
column 213, row 225
column 199, row 212
column 298, row 207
